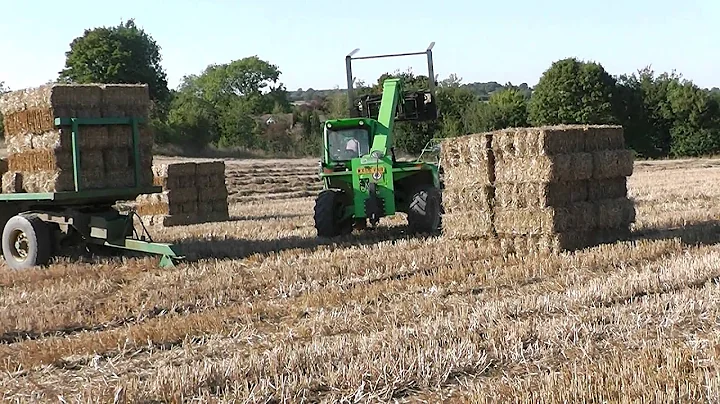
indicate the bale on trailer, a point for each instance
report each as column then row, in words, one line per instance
column 552, row 188
column 40, row 155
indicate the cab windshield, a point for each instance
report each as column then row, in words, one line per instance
column 345, row 144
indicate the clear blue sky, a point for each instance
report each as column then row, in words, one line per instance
column 479, row 41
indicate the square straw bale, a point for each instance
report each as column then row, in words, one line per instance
column 60, row 181
column 125, row 100
column 172, row 196
column 604, row 137
column 609, row 188
column 211, row 194
column 467, row 157
column 33, row 110
column 467, row 176
column 211, row 182
column 12, row 182
column 612, row 163
column 540, row 194
column 116, row 159
column 215, row 168
column 459, row 200
column 538, row 141
column 120, row 178
column 555, row 168
column 468, row 225
column 175, row 175
column 89, row 137
column 578, row 216
column 49, row 159
column 615, row 213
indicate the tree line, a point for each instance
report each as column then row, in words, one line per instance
column 243, row 104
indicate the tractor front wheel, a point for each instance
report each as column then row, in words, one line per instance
column 26, row 242
column 424, row 215
column 329, row 211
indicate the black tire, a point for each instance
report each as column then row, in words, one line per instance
column 32, row 236
column 328, row 213
column 425, row 212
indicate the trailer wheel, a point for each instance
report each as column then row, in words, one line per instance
column 26, row 242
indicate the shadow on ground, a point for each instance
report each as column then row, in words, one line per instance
column 234, row 248
column 704, row 233
column 197, row 248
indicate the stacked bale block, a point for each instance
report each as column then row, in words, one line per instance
column 40, row 154
column 192, row 193
column 554, row 188
column 468, row 193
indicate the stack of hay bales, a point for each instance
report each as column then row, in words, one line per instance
column 553, row 188
column 40, row 154
column 468, row 194
column 192, row 193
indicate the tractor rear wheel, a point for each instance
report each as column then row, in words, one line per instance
column 424, row 215
column 26, row 242
column 329, row 211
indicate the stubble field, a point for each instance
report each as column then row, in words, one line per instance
column 265, row 312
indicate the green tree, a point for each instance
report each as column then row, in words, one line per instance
column 235, row 92
column 508, row 108
column 192, row 121
column 572, row 91
column 123, row 54
column 453, row 101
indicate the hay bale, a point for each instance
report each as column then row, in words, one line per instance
column 615, row 213
column 456, row 200
column 49, row 159
column 578, row 216
column 604, row 137
column 12, row 182
column 540, row 141
column 50, row 181
column 124, row 100
column 612, row 163
column 468, row 225
column 540, row 194
column 467, row 160
column 609, row 188
column 556, row 168
column 210, row 168
column 34, row 110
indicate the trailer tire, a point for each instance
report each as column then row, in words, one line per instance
column 26, row 242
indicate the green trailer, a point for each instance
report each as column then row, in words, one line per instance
column 38, row 225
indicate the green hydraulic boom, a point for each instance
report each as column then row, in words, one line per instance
column 362, row 178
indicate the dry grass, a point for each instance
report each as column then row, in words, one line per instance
column 264, row 312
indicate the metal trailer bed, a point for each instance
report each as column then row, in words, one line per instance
column 37, row 225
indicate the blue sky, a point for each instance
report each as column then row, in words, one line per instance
column 479, row 41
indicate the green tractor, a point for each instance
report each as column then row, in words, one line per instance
column 362, row 179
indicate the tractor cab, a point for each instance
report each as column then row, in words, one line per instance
column 345, row 143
